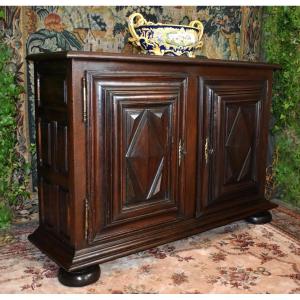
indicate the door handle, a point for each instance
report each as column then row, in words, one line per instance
column 207, row 151
column 181, row 151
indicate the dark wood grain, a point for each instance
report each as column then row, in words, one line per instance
column 234, row 113
column 134, row 172
column 105, row 56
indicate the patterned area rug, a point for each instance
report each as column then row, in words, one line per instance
column 238, row 258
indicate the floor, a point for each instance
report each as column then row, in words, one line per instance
column 237, row 258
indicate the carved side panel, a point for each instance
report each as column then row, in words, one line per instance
column 234, row 166
column 52, row 148
column 54, row 145
column 136, row 123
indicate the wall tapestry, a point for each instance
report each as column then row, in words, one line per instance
column 230, row 33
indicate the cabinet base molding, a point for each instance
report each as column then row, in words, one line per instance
column 262, row 217
column 130, row 243
column 80, row 277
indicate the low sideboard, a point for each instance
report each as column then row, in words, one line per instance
column 137, row 151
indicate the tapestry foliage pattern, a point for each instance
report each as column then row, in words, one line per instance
column 230, row 33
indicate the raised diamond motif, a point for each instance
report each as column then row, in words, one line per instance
column 238, row 144
column 144, row 156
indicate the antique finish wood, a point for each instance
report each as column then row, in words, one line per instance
column 137, row 151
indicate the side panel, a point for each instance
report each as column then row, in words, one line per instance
column 52, row 148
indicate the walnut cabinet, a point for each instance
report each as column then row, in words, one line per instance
column 137, row 151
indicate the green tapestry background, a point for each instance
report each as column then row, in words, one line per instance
column 230, row 33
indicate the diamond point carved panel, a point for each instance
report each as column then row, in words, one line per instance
column 234, row 116
column 145, row 153
column 239, row 141
column 138, row 128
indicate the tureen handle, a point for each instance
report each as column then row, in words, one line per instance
column 197, row 24
column 135, row 20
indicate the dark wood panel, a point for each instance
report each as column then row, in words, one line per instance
column 233, row 117
column 54, row 146
column 45, row 146
column 61, row 163
column 151, row 59
column 138, row 131
column 64, row 213
column 49, row 199
column 53, row 149
column 53, row 90
column 147, row 142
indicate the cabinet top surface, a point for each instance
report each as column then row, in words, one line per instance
column 106, row 56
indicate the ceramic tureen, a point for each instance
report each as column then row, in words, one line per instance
column 165, row 39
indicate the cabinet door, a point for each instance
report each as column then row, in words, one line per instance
column 233, row 152
column 135, row 128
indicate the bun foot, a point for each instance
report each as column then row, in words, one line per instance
column 80, row 277
column 260, row 218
